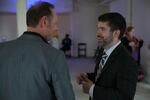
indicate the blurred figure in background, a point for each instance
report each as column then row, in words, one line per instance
column 127, row 40
column 132, row 43
column 66, row 45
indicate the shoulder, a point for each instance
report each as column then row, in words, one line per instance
column 121, row 53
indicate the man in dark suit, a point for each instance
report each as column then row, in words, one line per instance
column 31, row 69
column 115, row 75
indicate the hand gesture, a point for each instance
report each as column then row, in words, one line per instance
column 81, row 77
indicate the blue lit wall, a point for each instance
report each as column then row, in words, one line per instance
column 8, row 6
column 61, row 6
column 31, row 2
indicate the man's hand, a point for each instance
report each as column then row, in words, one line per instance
column 83, row 80
column 81, row 77
column 86, row 85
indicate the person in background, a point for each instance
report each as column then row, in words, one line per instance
column 127, row 40
column 66, row 45
column 132, row 43
column 115, row 74
column 31, row 69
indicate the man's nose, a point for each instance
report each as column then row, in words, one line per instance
column 97, row 33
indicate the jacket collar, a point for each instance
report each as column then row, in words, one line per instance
column 35, row 34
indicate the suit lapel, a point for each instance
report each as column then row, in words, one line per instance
column 98, row 58
column 111, row 58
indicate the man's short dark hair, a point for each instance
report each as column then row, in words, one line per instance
column 37, row 11
column 115, row 20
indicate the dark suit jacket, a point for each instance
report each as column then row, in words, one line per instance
column 30, row 69
column 118, row 77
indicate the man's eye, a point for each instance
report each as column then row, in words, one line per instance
column 102, row 29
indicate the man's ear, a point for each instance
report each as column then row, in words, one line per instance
column 43, row 21
column 116, row 33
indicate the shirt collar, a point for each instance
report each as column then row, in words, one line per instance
column 110, row 50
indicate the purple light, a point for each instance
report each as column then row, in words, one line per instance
column 31, row 2
column 60, row 5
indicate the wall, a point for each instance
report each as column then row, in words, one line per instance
column 8, row 26
column 119, row 6
column 8, row 6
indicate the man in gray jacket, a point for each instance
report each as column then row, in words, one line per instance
column 31, row 69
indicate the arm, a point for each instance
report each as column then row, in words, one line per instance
column 61, row 80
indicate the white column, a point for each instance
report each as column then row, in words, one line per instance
column 21, row 16
column 129, row 12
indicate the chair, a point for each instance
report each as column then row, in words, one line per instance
column 82, row 49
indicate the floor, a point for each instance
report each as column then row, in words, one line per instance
column 77, row 65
